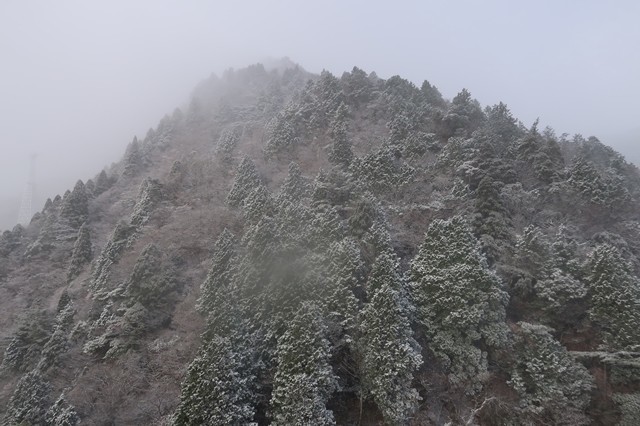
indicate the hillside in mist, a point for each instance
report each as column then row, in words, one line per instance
column 301, row 249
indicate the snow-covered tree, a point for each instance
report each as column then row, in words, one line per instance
column 75, row 207
column 552, row 386
column 219, row 276
column 149, row 195
column 280, row 134
column 29, row 402
column 459, row 300
column 133, row 159
column 615, row 298
column 304, row 380
column 295, row 186
column 382, row 169
column 217, row 389
column 62, row 414
column 257, row 204
column 390, row 355
column 340, row 153
column 245, row 181
column 226, row 145
column 81, row 254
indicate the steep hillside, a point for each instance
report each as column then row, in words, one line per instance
column 302, row 249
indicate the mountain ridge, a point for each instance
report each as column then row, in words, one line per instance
column 282, row 204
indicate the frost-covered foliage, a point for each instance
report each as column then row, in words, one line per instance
column 459, row 301
column 605, row 188
column 257, row 204
column 219, row 276
column 81, row 254
column 304, row 380
column 245, row 181
column 151, row 280
column 226, row 145
column 390, row 355
column 149, row 195
column 554, row 266
column 340, row 153
column 552, row 386
column 615, row 297
column 75, row 208
column 102, row 183
column 133, row 159
column 280, row 135
column 629, row 406
column 141, row 304
column 29, row 402
column 61, row 413
column 464, row 114
column 26, row 342
column 119, row 240
column 217, row 389
column 382, row 169
column 295, row 186
column 58, row 343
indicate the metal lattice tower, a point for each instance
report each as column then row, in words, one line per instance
column 26, row 206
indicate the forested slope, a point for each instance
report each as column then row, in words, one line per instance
column 300, row 249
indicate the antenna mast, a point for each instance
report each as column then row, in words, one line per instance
column 26, row 206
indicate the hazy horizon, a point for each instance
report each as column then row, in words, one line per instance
column 80, row 79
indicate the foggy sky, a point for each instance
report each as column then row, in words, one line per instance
column 79, row 79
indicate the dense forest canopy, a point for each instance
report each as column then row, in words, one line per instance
column 301, row 249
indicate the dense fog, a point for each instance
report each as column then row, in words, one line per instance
column 79, row 79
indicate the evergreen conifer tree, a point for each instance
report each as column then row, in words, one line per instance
column 340, row 153
column 75, row 207
column 217, row 389
column 459, row 300
column 615, row 298
column 82, row 252
column 245, row 181
column 304, row 380
column 390, row 355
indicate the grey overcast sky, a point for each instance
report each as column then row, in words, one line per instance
column 78, row 79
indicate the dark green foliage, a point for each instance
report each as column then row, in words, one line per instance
column 552, row 386
column 29, row 402
column 491, row 220
column 340, row 153
column 459, row 300
column 217, row 389
column 356, row 86
column 151, row 280
column 615, row 297
column 219, row 276
column 82, row 252
column 464, row 115
column 75, row 207
column 390, row 355
column 382, row 170
column 304, row 380
column 245, row 181
column 58, row 343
